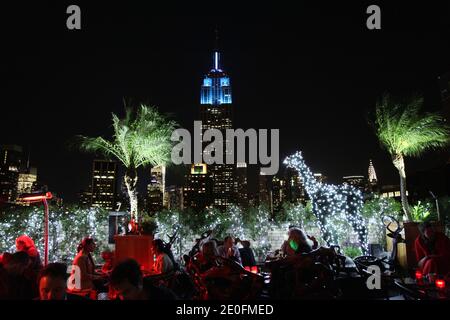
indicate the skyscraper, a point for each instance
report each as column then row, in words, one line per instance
column 279, row 194
column 265, row 189
column 372, row 174
column 11, row 157
column 197, row 193
column 372, row 181
column 294, row 186
column 241, row 185
column 156, row 188
column 104, row 178
column 216, row 113
column 26, row 180
column 356, row 181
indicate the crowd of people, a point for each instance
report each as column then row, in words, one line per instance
column 220, row 263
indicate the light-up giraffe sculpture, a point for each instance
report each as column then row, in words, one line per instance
column 339, row 203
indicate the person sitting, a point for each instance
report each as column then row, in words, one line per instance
column 18, row 285
column 432, row 250
column 26, row 244
column 163, row 262
column 207, row 257
column 246, row 253
column 229, row 250
column 127, row 283
column 52, row 283
column 296, row 243
column 85, row 267
column 108, row 257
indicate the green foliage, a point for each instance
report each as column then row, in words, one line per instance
column 141, row 138
column 421, row 211
column 404, row 130
column 296, row 214
column 373, row 212
column 149, row 226
column 67, row 227
column 352, row 252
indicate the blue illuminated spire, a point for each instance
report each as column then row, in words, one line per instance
column 216, row 60
column 216, row 52
column 216, row 88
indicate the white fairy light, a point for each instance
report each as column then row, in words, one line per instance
column 331, row 203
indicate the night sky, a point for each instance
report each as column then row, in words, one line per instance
column 313, row 71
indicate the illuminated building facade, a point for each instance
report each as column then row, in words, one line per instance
column 216, row 113
column 241, row 185
column 265, row 189
column 279, row 194
column 104, row 178
column 294, row 186
column 26, row 180
column 197, row 193
column 356, row 181
column 11, row 157
column 156, row 188
column 85, row 197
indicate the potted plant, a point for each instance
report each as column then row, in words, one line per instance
column 420, row 212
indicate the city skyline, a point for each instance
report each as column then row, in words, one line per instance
column 318, row 99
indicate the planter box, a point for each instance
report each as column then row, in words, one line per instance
column 406, row 254
column 135, row 247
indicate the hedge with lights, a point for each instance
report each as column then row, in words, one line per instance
column 67, row 227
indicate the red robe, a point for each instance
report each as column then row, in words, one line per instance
column 439, row 264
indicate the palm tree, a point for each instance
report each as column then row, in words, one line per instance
column 141, row 138
column 405, row 131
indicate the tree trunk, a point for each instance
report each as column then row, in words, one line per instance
column 399, row 163
column 131, row 183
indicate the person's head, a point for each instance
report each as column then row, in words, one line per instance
column 107, row 255
column 427, row 230
column 87, row 245
column 126, row 280
column 158, row 246
column 209, row 250
column 24, row 243
column 52, row 282
column 5, row 258
column 245, row 243
column 228, row 241
column 18, row 263
column 298, row 241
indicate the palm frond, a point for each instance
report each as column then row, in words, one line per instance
column 142, row 137
column 404, row 129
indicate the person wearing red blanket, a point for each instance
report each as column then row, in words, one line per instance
column 432, row 250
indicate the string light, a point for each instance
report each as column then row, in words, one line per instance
column 67, row 227
column 333, row 205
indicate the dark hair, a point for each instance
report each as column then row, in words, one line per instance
column 423, row 226
column 6, row 258
column 245, row 243
column 226, row 238
column 54, row 270
column 20, row 257
column 129, row 270
column 83, row 244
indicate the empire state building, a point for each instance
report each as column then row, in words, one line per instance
column 216, row 113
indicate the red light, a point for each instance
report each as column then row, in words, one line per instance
column 247, row 268
column 419, row 275
column 255, row 269
column 440, row 284
column 38, row 197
